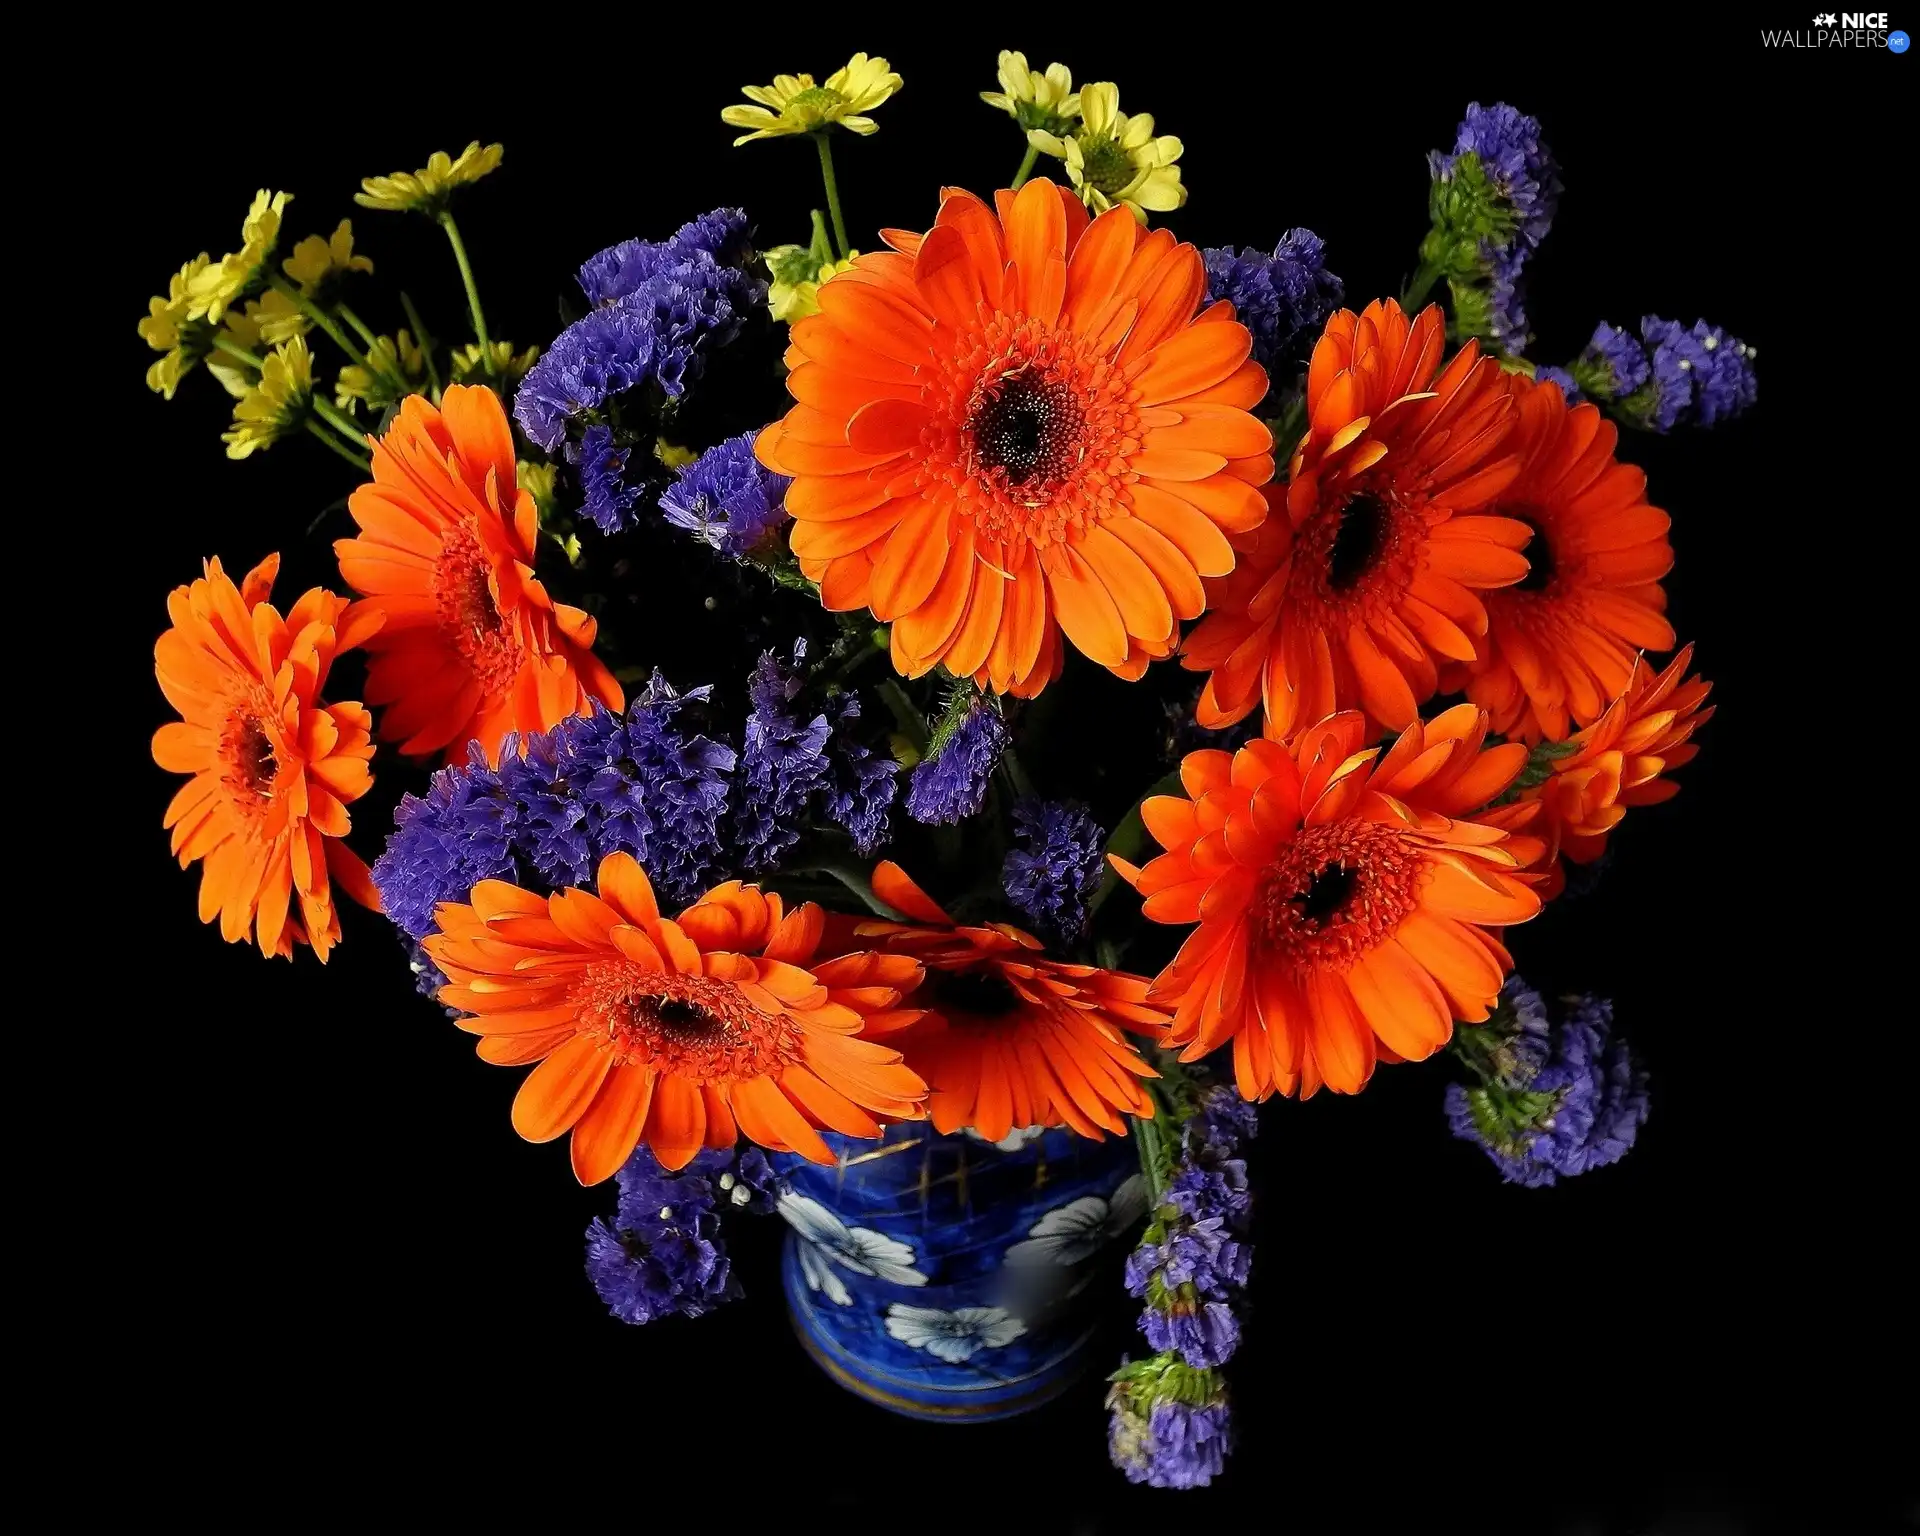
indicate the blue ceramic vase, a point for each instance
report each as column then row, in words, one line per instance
column 951, row 1278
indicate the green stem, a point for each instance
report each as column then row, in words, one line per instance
column 331, row 442
column 1026, row 167
column 422, row 335
column 1148, row 1139
column 234, row 349
column 833, row 192
column 1016, row 775
column 339, row 421
column 1420, row 285
column 366, row 334
column 821, row 247
column 325, row 321
column 906, row 715
column 473, row 291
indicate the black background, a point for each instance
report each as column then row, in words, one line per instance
column 362, row 1270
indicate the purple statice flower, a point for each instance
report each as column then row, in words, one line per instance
column 1202, row 1333
column 668, row 793
column 1216, row 1187
column 1720, row 368
column 750, row 1184
column 1519, row 167
column 622, row 269
column 561, row 801
column 1205, row 1255
column 662, row 1253
column 1613, row 364
column 1661, row 403
column 608, row 498
column 1282, row 299
column 1556, row 1099
column 950, row 784
column 1167, row 1442
column 1221, row 1123
column 783, row 764
column 1055, row 872
column 1507, row 299
column 658, row 333
column 727, row 498
column 445, row 842
column 862, row 784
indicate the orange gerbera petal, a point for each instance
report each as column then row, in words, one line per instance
column 1621, row 760
column 1010, row 1037
column 674, row 1032
column 1561, row 643
column 1341, row 896
column 273, row 766
column 977, row 426
column 1367, row 575
column 470, row 646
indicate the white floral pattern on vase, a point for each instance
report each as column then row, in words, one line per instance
column 1014, row 1140
column 829, row 1241
column 1074, row 1232
column 954, row 1336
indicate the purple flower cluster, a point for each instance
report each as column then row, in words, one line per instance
column 1522, row 181
column 1283, row 299
column 1556, row 1099
column 662, row 1255
column 559, row 802
column 727, row 498
column 1051, row 878
column 688, row 806
column 1668, row 376
column 1192, row 1264
column 658, row 310
column 950, row 784
column 608, row 499
column 1172, row 1444
column 619, row 270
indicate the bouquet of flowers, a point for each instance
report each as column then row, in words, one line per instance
column 893, row 844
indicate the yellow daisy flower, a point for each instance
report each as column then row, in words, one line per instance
column 235, row 377
column 794, row 104
column 429, row 189
column 167, row 329
column 217, row 287
column 540, row 481
column 316, row 261
column 798, row 272
column 1113, row 159
column 275, row 317
column 470, row 364
column 396, row 367
column 277, row 402
column 1044, row 101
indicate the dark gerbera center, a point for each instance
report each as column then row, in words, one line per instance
column 695, row 1027
column 1335, row 892
column 469, row 616
column 1025, row 429
column 984, row 993
column 1359, row 542
column 247, row 753
column 679, row 1018
column 1327, row 893
column 1539, row 553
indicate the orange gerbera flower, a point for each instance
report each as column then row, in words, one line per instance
column 1343, row 897
column 1562, row 642
column 274, row 768
column 1014, row 427
column 683, row 1032
column 1621, row 760
column 472, row 647
column 1369, row 581
column 1013, row 1038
